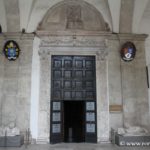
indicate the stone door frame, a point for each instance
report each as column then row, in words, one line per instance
column 80, row 46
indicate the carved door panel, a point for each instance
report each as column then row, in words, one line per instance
column 90, row 122
column 73, row 78
column 56, row 132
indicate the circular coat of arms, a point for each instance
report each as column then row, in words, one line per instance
column 128, row 51
column 11, row 50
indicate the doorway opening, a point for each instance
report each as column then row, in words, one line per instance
column 73, row 99
column 74, row 121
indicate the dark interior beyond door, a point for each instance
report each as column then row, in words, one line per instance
column 74, row 121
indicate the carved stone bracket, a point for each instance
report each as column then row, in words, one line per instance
column 44, row 54
column 102, row 55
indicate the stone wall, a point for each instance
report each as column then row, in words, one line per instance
column 147, row 46
column 114, row 82
column 15, row 82
column 118, row 83
column 128, row 83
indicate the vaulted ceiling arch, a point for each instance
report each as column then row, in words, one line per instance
column 125, row 16
column 144, row 25
column 40, row 9
column 3, row 21
column 71, row 14
column 115, row 7
column 139, row 9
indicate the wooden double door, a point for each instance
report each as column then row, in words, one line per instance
column 73, row 99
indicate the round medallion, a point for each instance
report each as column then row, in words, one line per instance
column 11, row 50
column 128, row 51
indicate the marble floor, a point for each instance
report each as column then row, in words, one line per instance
column 74, row 146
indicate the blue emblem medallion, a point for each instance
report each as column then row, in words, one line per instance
column 11, row 50
column 128, row 51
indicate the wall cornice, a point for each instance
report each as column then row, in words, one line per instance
column 18, row 36
column 131, row 37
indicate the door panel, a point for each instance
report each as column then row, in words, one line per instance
column 90, row 122
column 73, row 78
column 56, row 122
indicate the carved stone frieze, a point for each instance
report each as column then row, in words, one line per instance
column 83, row 41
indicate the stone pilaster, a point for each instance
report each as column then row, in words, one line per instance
column 44, row 99
column 134, row 85
column 1, row 74
column 102, row 96
column 16, row 84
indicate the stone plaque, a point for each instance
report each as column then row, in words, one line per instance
column 56, row 128
column 90, row 106
column 74, row 17
column 56, row 116
column 56, row 106
column 90, row 128
column 90, row 116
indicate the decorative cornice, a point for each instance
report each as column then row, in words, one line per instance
column 76, row 32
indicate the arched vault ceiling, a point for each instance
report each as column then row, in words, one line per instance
column 38, row 11
column 125, row 16
column 139, row 8
column 25, row 8
column 3, row 17
column 12, row 15
column 144, row 25
column 115, row 6
column 103, row 7
column 41, row 7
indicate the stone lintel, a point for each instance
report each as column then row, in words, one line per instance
column 72, row 32
column 74, row 41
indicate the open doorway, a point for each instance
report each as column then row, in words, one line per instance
column 74, row 130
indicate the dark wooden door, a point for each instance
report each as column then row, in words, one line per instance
column 73, row 79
